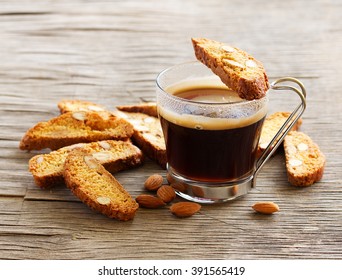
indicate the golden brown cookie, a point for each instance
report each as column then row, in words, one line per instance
column 304, row 160
column 148, row 135
column 76, row 127
column 271, row 126
column 148, row 108
column 66, row 106
column 96, row 187
column 237, row 69
column 114, row 155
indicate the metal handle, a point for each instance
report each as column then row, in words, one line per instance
column 289, row 123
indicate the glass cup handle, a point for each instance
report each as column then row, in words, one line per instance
column 289, row 123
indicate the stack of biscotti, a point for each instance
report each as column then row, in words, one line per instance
column 96, row 187
column 85, row 128
column 143, row 117
column 271, row 126
column 304, row 160
column 148, row 135
column 114, row 155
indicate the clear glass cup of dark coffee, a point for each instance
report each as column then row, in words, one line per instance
column 212, row 146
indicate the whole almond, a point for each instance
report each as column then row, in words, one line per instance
column 153, row 182
column 185, row 209
column 266, row 207
column 169, row 178
column 179, row 186
column 166, row 193
column 149, row 201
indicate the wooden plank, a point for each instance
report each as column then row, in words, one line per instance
column 110, row 53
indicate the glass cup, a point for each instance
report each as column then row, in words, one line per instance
column 212, row 146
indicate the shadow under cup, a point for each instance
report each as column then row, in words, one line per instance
column 211, row 146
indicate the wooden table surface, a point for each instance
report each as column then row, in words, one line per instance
column 110, row 52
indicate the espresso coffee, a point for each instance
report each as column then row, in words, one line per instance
column 208, row 145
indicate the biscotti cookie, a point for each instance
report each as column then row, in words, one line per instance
column 66, row 106
column 148, row 108
column 148, row 135
column 237, row 69
column 96, row 187
column 271, row 126
column 76, row 127
column 304, row 160
column 47, row 169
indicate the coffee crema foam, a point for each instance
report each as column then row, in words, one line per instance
column 209, row 105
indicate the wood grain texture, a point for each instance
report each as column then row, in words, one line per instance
column 110, row 52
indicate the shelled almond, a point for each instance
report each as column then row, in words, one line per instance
column 185, row 209
column 150, row 201
column 154, row 182
column 266, row 207
column 166, row 193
